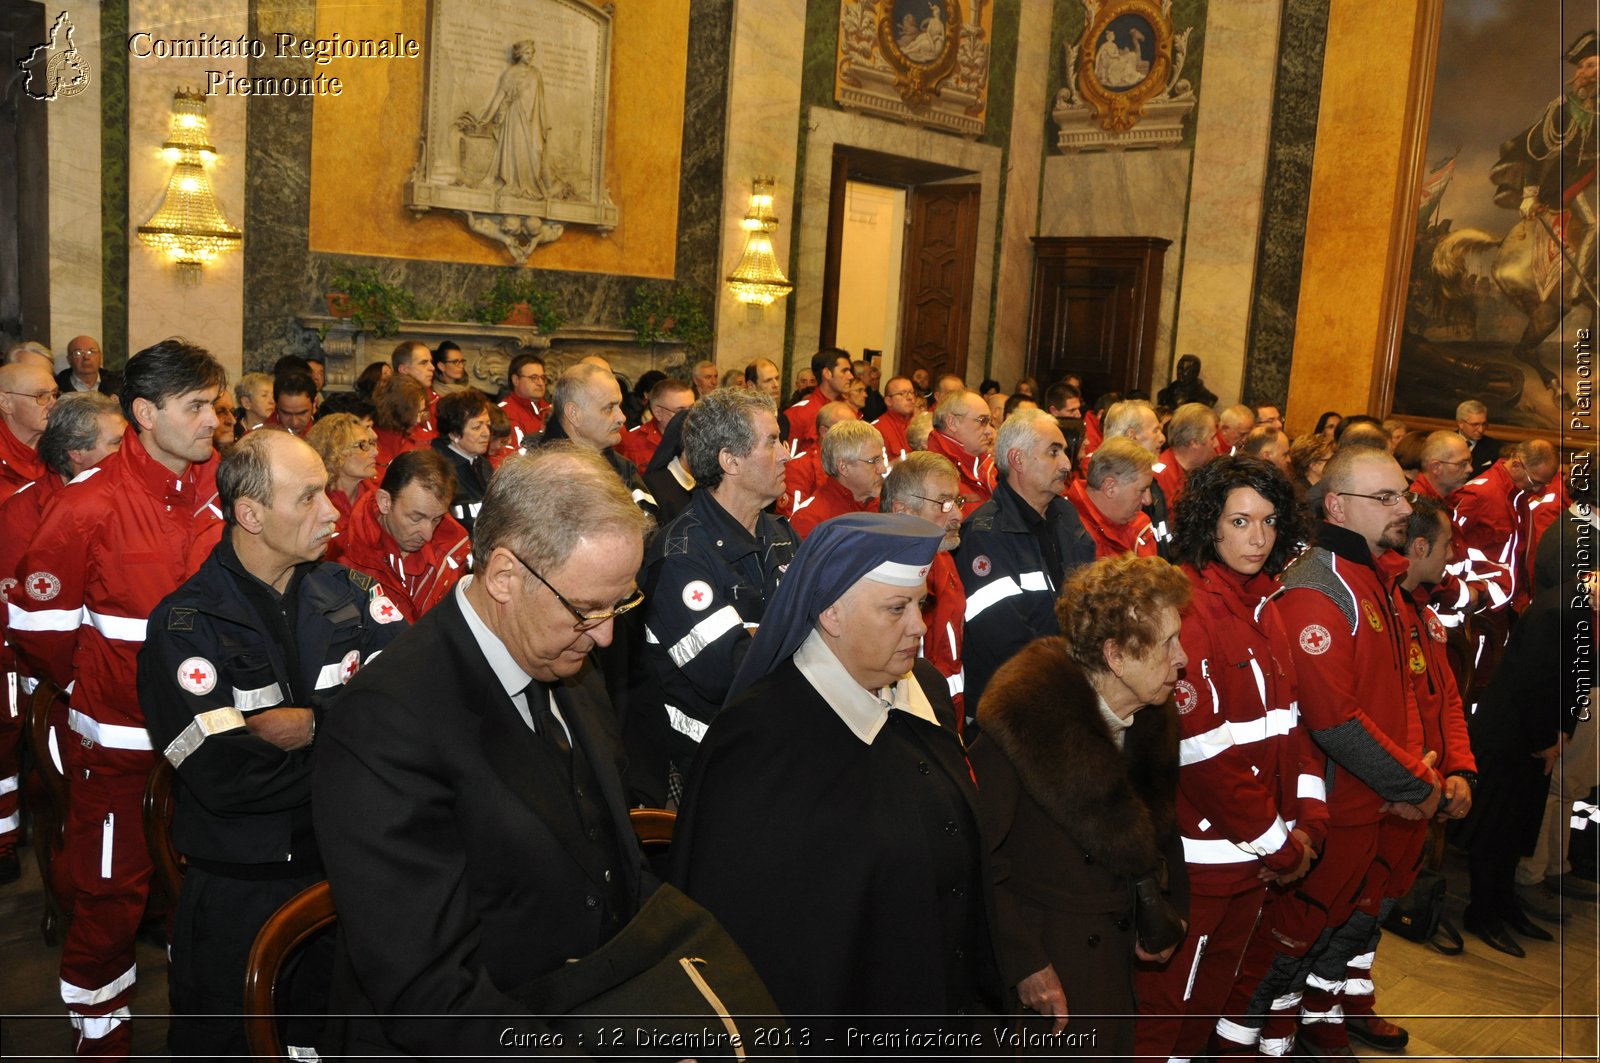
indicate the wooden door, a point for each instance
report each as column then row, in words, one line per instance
column 936, row 303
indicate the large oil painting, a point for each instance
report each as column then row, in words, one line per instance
column 1503, row 280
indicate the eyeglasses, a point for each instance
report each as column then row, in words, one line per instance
column 585, row 621
column 667, row 413
column 875, row 461
column 899, row 394
column 1385, row 498
column 1457, row 464
column 364, row 444
column 454, row 361
column 43, row 398
column 984, row 420
column 531, row 376
column 945, row 504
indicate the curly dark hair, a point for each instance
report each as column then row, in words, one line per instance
column 1194, row 522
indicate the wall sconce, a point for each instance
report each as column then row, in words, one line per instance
column 189, row 228
column 758, row 280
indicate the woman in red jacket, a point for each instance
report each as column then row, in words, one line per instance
column 1250, row 803
column 401, row 403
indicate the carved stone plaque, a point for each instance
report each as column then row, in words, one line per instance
column 514, row 119
column 921, row 61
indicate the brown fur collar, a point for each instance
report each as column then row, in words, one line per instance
column 1116, row 804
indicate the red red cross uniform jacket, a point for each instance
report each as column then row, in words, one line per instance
column 1444, row 722
column 1468, row 570
column 1350, row 661
column 527, row 419
column 1137, row 537
column 392, row 444
column 1542, row 513
column 413, row 583
column 1171, row 476
column 977, row 474
column 1492, row 513
column 832, row 499
column 1249, row 772
column 20, row 464
column 639, row 444
column 945, row 615
column 893, row 428
column 803, row 422
column 109, row 547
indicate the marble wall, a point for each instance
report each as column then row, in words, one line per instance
column 76, row 296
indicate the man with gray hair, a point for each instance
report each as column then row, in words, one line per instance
column 83, row 429
column 709, row 575
column 1233, row 424
column 1111, row 497
column 1191, row 442
column 466, row 792
column 1018, row 548
column 587, row 409
column 240, row 666
column 32, row 352
column 1138, row 420
column 852, row 466
column 803, row 475
column 963, row 431
column 1472, row 418
column 927, row 486
column 27, row 395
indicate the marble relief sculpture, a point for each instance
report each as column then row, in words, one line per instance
column 923, row 61
column 1123, row 84
column 489, row 151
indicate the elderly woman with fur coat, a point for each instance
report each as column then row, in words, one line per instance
column 1077, row 773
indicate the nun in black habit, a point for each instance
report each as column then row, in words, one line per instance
column 830, row 820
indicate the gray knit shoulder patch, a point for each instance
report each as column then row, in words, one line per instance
column 1314, row 571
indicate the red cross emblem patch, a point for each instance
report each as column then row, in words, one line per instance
column 981, row 565
column 697, row 595
column 1435, row 626
column 1315, row 640
column 383, row 610
column 349, row 666
column 6, row 585
column 42, row 586
column 197, row 675
column 1184, row 696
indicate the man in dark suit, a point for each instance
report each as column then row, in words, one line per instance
column 1472, row 417
column 467, row 792
column 85, row 369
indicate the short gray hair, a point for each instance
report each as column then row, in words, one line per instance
column 74, row 425
column 952, row 404
column 574, row 384
column 1020, row 430
column 16, row 353
column 1193, row 422
column 724, row 419
column 918, row 429
column 1240, row 416
column 1438, row 446
column 541, row 505
column 1471, row 408
column 846, row 440
column 908, row 480
column 247, row 472
column 1118, row 458
column 248, row 383
column 1124, row 417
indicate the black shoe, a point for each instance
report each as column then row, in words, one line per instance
column 10, row 868
column 1377, row 1033
column 1519, row 922
column 1495, row 935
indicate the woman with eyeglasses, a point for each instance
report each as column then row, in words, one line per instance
column 1247, row 807
column 349, row 451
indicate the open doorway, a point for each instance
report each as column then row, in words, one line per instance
column 901, row 257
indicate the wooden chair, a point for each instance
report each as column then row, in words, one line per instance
column 164, row 856
column 290, row 927
column 47, row 806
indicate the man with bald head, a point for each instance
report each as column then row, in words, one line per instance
column 86, row 369
column 900, row 401
column 1233, row 424
column 588, row 411
column 804, row 474
column 27, row 395
column 963, row 431
column 1340, row 610
column 1492, row 510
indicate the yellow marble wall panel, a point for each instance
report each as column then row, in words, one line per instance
column 75, row 253
column 1225, row 189
column 1363, row 139
column 365, row 144
column 1014, row 291
column 160, row 303
column 763, row 113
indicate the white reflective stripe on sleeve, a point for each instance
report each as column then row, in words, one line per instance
column 94, row 1027
column 1210, row 851
column 55, row 750
column 1232, row 1032
column 71, row 994
column 330, row 676
column 1287, row 1002
column 798, row 505
column 1034, row 581
column 109, row 735
column 1275, row 722
column 10, row 823
column 1363, row 962
column 259, row 698
column 1276, row 1046
column 650, row 637
column 704, row 634
column 640, row 497
column 200, row 728
column 998, row 591
column 8, row 785
column 1327, row 985
column 685, row 724
column 1334, row 1014
column 1194, row 968
column 1358, row 987
column 1313, row 787
column 1261, row 681
column 957, row 683
column 119, row 628
column 1269, row 841
column 108, row 831
column 21, row 619
column 950, row 634
column 1204, row 746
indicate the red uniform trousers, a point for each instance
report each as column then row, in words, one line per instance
column 1179, row 1000
column 106, row 869
column 1271, row 981
column 10, row 751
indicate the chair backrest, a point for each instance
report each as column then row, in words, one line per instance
column 49, row 810
column 301, row 917
column 45, row 696
column 169, row 865
column 653, row 826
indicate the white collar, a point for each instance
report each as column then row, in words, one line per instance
column 505, row 668
column 863, row 711
column 681, row 474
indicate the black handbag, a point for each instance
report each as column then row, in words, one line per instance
column 672, row 983
column 1419, row 915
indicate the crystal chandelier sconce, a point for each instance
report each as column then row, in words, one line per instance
column 190, row 228
column 758, row 280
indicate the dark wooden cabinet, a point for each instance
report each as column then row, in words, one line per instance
column 1095, row 303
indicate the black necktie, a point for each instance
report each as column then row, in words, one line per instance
column 544, row 718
